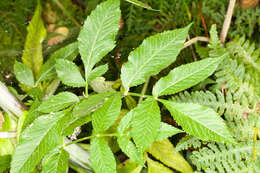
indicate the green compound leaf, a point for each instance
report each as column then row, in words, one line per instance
column 101, row 156
column 186, row 76
column 55, row 162
column 128, row 147
column 199, row 121
column 124, row 140
column 90, row 104
column 97, row 36
column 145, row 123
column 154, row 54
column 47, row 71
column 58, row 102
column 23, row 74
column 32, row 114
column 106, row 116
column 98, row 71
column 32, row 55
column 166, row 131
column 125, row 122
column 75, row 122
column 69, row 73
column 43, row 135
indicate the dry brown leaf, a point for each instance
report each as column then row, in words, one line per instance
column 121, row 23
column 249, row 3
column 63, row 33
column 51, row 27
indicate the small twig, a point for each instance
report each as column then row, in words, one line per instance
column 86, row 91
column 192, row 50
column 227, row 21
column 89, row 137
column 194, row 40
column 203, row 20
column 144, row 89
column 140, row 95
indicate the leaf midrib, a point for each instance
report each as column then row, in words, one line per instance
column 32, row 32
column 195, row 120
column 147, row 61
column 51, row 68
column 39, row 142
column 187, row 76
column 59, row 103
column 89, row 57
column 103, row 153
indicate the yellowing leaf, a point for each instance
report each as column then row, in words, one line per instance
column 164, row 151
column 32, row 55
column 156, row 167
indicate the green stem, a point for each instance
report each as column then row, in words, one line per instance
column 144, row 89
column 86, row 91
column 89, row 137
column 140, row 95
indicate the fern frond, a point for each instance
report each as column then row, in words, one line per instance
column 216, row 48
column 131, row 16
column 247, row 55
column 243, row 50
column 225, row 158
column 219, row 102
column 233, row 75
column 247, row 21
column 188, row 142
column 240, row 116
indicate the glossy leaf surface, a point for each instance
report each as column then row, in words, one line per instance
column 154, row 54
column 97, row 36
column 199, row 121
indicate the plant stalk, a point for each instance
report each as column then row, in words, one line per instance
column 194, row 40
column 89, row 137
column 144, row 89
column 10, row 104
column 227, row 21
